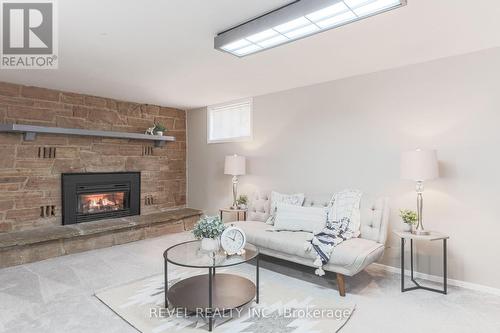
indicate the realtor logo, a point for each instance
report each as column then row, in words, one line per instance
column 28, row 34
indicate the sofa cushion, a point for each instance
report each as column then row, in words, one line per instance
column 280, row 198
column 353, row 254
column 375, row 219
column 345, row 204
column 263, row 235
column 259, row 206
column 298, row 218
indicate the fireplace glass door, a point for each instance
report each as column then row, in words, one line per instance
column 95, row 203
column 95, row 196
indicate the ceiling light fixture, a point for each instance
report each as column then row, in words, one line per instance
column 296, row 20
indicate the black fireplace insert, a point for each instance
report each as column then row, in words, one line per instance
column 95, row 196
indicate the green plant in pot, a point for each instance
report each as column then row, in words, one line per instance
column 242, row 201
column 159, row 129
column 209, row 229
column 409, row 218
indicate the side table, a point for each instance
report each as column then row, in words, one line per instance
column 239, row 212
column 433, row 236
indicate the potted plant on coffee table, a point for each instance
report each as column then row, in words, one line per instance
column 409, row 218
column 209, row 229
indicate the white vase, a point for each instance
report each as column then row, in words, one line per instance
column 159, row 133
column 407, row 227
column 210, row 244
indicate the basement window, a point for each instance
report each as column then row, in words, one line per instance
column 230, row 122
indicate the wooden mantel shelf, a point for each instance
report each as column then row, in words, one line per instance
column 30, row 132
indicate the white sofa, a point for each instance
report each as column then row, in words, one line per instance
column 348, row 258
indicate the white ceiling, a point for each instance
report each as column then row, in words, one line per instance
column 161, row 52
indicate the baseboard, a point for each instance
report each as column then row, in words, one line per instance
column 439, row 279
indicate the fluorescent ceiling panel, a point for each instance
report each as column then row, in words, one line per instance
column 297, row 20
column 307, row 30
column 356, row 3
column 337, row 20
column 292, row 25
column 236, row 45
column 267, row 34
column 327, row 12
column 280, row 39
column 374, row 7
column 247, row 50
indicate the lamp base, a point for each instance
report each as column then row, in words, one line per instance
column 421, row 232
column 233, row 207
column 235, row 193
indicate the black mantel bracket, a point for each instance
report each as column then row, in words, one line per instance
column 30, row 132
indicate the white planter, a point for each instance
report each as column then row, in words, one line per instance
column 159, row 133
column 210, row 244
column 407, row 227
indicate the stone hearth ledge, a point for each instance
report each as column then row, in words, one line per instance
column 22, row 247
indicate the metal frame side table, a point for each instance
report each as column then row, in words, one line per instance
column 209, row 291
column 433, row 236
column 237, row 211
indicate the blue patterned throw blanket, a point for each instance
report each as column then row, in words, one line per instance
column 343, row 223
column 323, row 242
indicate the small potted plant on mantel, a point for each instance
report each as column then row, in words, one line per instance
column 409, row 218
column 209, row 229
column 159, row 129
column 242, row 201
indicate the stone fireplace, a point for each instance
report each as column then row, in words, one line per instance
column 31, row 171
column 95, row 196
column 128, row 187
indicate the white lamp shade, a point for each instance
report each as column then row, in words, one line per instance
column 419, row 165
column 235, row 165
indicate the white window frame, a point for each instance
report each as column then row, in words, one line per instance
column 235, row 139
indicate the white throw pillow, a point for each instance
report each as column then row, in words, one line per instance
column 298, row 218
column 346, row 204
column 279, row 198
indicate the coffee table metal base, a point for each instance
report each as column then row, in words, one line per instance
column 225, row 292
column 228, row 292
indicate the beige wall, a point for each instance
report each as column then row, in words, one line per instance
column 349, row 133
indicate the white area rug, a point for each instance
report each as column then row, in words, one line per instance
column 286, row 305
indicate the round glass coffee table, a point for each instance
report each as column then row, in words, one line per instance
column 210, row 293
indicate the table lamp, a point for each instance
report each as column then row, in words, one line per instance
column 419, row 165
column 235, row 166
